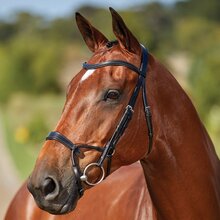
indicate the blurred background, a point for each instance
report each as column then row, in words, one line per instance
column 41, row 50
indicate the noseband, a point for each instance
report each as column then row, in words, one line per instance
column 108, row 150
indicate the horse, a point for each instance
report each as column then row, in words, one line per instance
column 123, row 201
column 125, row 106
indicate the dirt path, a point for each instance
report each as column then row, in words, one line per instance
column 9, row 181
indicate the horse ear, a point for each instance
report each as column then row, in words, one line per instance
column 93, row 38
column 126, row 39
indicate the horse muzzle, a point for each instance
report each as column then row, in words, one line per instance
column 52, row 195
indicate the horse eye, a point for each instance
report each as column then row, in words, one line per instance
column 112, row 95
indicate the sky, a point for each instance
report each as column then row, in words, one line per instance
column 60, row 8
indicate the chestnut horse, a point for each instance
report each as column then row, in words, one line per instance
column 123, row 201
column 106, row 123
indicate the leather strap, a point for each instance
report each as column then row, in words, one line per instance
column 54, row 135
column 111, row 63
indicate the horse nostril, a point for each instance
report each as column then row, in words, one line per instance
column 50, row 188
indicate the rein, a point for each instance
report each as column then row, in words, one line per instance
column 108, row 150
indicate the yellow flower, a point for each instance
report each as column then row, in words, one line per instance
column 21, row 135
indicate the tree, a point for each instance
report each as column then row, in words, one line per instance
column 197, row 8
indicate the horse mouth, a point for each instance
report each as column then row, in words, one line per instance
column 59, row 209
column 67, row 208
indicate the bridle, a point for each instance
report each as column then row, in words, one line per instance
column 108, row 150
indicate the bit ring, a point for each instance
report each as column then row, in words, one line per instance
column 84, row 177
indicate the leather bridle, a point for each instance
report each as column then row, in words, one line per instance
column 108, row 150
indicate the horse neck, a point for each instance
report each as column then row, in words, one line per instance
column 182, row 171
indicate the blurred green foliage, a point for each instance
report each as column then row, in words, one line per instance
column 205, row 80
column 196, row 8
column 35, row 53
column 27, row 120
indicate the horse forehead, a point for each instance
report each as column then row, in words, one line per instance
column 87, row 74
column 113, row 54
column 119, row 75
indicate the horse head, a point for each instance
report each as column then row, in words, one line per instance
column 93, row 138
